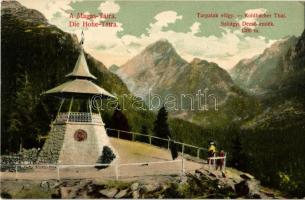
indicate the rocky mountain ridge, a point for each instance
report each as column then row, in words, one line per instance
column 285, row 98
column 160, row 71
column 257, row 74
column 15, row 9
column 156, row 66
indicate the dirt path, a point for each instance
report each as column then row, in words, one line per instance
column 129, row 152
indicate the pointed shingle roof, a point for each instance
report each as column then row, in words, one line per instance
column 82, row 82
column 81, row 69
column 80, row 87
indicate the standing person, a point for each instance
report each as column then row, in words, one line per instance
column 173, row 148
column 211, row 152
column 220, row 162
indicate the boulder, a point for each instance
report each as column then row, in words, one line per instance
column 121, row 194
column 267, row 192
column 164, row 187
column 45, row 185
column 247, row 176
column 257, row 196
column 199, row 171
column 67, row 192
column 212, row 174
column 134, row 186
column 183, row 179
column 150, row 188
column 135, row 194
column 254, row 186
column 109, row 192
column 56, row 185
column 26, row 186
column 242, row 188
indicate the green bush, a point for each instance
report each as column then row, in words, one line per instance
column 106, row 158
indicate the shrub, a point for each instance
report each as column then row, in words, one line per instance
column 106, row 158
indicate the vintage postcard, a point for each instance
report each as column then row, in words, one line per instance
column 152, row 99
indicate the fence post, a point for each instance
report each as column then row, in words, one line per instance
column 116, row 171
column 182, row 149
column 133, row 136
column 198, row 153
column 16, row 169
column 149, row 139
column 214, row 161
column 182, row 167
column 119, row 134
column 224, row 162
column 168, row 144
column 57, row 168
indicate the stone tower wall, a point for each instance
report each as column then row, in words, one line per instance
column 53, row 145
column 61, row 147
column 87, row 151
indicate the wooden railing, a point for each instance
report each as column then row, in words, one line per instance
column 212, row 161
column 116, row 166
column 198, row 150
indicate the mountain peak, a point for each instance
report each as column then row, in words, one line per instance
column 15, row 9
column 11, row 5
column 198, row 61
column 280, row 47
column 163, row 42
column 259, row 73
column 160, row 46
column 113, row 68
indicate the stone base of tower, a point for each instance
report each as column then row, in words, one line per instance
column 53, row 145
column 75, row 144
column 86, row 151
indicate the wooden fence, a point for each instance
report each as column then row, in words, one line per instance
column 200, row 151
column 116, row 166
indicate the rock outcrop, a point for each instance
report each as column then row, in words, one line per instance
column 200, row 184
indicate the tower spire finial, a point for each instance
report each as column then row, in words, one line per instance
column 82, row 38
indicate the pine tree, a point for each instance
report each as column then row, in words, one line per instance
column 161, row 127
column 144, row 131
column 120, row 122
column 239, row 158
column 21, row 120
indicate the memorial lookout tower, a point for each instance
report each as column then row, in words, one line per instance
column 77, row 134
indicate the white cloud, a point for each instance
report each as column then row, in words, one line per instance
column 166, row 17
column 226, row 50
column 49, row 7
column 109, row 7
column 163, row 19
column 195, row 28
column 105, row 45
